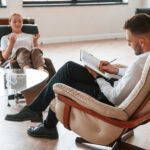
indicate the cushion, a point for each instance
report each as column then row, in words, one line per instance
column 89, row 102
column 27, row 28
column 90, row 128
column 142, row 10
column 139, row 93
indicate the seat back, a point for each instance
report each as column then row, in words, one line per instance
column 5, row 21
column 1, row 59
column 142, row 10
column 27, row 28
column 139, row 93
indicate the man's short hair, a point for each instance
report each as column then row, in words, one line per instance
column 138, row 24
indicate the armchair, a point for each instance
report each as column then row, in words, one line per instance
column 6, row 29
column 30, row 28
column 100, row 123
column 142, row 10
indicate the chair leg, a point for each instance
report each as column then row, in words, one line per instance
column 120, row 145
column 123, row 138
column 10, row 97
column 81, row 140
column 127, row 135
column 88, row 145
column 17, row 97
column 8, row 104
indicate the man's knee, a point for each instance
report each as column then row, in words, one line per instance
column 70, row 63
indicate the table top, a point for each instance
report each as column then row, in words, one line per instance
column 18, row 80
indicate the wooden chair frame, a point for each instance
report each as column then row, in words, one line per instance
column 118, row 144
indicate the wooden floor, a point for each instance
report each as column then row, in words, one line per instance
column 13, row 134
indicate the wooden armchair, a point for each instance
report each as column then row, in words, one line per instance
column 100, row 123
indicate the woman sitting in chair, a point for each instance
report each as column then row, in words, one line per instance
column 20, row 46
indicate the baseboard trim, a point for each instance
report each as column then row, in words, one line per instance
column 81, row 38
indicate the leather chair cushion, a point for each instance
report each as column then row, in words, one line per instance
column 139, row 93
column 89, row 102
column 87, row 126
column 142, row 10
column 27, row 28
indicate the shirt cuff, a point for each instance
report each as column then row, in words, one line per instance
column 121, row 71
column 100, row 81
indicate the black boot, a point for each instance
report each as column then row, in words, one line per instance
column 25, row 114
column 41, row 131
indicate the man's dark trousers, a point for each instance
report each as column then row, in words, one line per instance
column 73, row 75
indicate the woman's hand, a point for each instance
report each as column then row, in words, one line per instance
column 12, row 38
column 35, row 39
column 105, row 66
column 7, row 52
column 93, row 73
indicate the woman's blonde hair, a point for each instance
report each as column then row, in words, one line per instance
column 14, row 14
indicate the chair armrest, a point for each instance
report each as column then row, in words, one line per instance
column 14, row 64
column 4, row 63
column 89, row 102
column 2, row 60
column 49, row 67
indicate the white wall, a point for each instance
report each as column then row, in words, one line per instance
column 146, row 3
column 60, row 24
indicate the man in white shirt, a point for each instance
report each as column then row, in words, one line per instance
column 111, row 92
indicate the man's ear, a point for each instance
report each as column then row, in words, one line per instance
column 142, row 41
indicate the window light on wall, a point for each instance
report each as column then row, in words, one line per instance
column 32, row 3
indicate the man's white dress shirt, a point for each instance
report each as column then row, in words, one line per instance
column 122, row 88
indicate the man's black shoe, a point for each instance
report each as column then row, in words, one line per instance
column 41, row 131
column 25, row 114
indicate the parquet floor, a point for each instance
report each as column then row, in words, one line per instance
column 13, row 134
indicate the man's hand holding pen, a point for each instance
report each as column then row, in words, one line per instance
column 93, row 73
column 106, row 66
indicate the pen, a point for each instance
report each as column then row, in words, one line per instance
column 112, row 60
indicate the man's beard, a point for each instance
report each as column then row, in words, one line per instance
column 138, row 49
